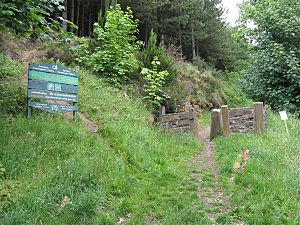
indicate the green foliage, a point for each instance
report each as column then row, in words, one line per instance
column 155, row 82
column 231, row 86
column 2, row 173
column 166, row 61
column 268, row 191
column 111, row 52
column 13, row 93
column 198, row 84
column 64, row 175
column 30, row 16
column 179, row 22
column 274, row 74
column 5, row 190
column 58, row 45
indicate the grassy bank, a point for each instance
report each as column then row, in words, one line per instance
column 268, row 191
column 54, row 171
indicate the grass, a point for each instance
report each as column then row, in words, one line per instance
column 268, row 191
column 56, row 172
column 203, row 120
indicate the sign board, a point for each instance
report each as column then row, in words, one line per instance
column 49, row 86
column 52, row 77
column 52, row 82
column 53, row 68
column 51, row 95
column 53, row 108
column 283, row 115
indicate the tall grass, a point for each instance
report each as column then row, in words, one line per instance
column 59, row 173
column 268, row 192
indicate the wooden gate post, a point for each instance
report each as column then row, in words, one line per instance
column 259, row 125
column 192, row 117
column 216, row 127
column 162, row 111
column 225, row 121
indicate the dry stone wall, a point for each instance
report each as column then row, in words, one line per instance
column 178, row 122
column 241, row 120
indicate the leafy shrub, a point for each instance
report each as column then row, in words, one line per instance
column 231, row 86
column 166, row 61
column 178, row 93
column 274, row 74
column 155, row 82
column 58, row 45
column 4, row 189
column 111, row 52
column 30, row 17
column 13, row 94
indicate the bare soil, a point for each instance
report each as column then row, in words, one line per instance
column 211, row 193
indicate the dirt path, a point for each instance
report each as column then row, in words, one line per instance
column 91, row 125
column 205, row 169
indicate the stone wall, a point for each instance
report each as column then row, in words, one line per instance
column 178, row 122
column 241, row 120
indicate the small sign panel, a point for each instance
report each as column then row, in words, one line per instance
column 53, row 108
column 53, row 68
column 51, row 77
column 283, row 115
column 50, row 95
column 49, row 86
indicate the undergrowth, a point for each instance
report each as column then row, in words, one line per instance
column 268, row 191
column 56, row 172
column 12, row 89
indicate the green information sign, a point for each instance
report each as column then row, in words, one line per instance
column 51, row 77
column 53, row 88
column 53, row 108
column 50, row 95
column 50, row 86
column 53, row 68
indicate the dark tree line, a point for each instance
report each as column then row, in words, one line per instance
column 195, row 26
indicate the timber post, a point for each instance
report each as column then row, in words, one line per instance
column 216, row 126
column 225, row 121
column 258, row 111
column 162, row 112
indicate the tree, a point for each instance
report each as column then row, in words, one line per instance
column 274, row 75
column 111, row 52
column 30, row 16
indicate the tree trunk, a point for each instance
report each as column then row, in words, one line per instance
column 90, row 21
column 72, row 13
column 77, row 17
column 180, row 41
column 193, row 43
column 162, row 40
column 197, row 49
column 65, row 15
column 82, row 21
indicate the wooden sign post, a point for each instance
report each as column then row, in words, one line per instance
column 51, row 82
column 284, row 117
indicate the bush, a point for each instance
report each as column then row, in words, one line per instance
column 232, row 88
column 166, row 61
column 111, row 52
column 58, row 45
column 274, row 74
column 154, row 85
column 13, row 93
